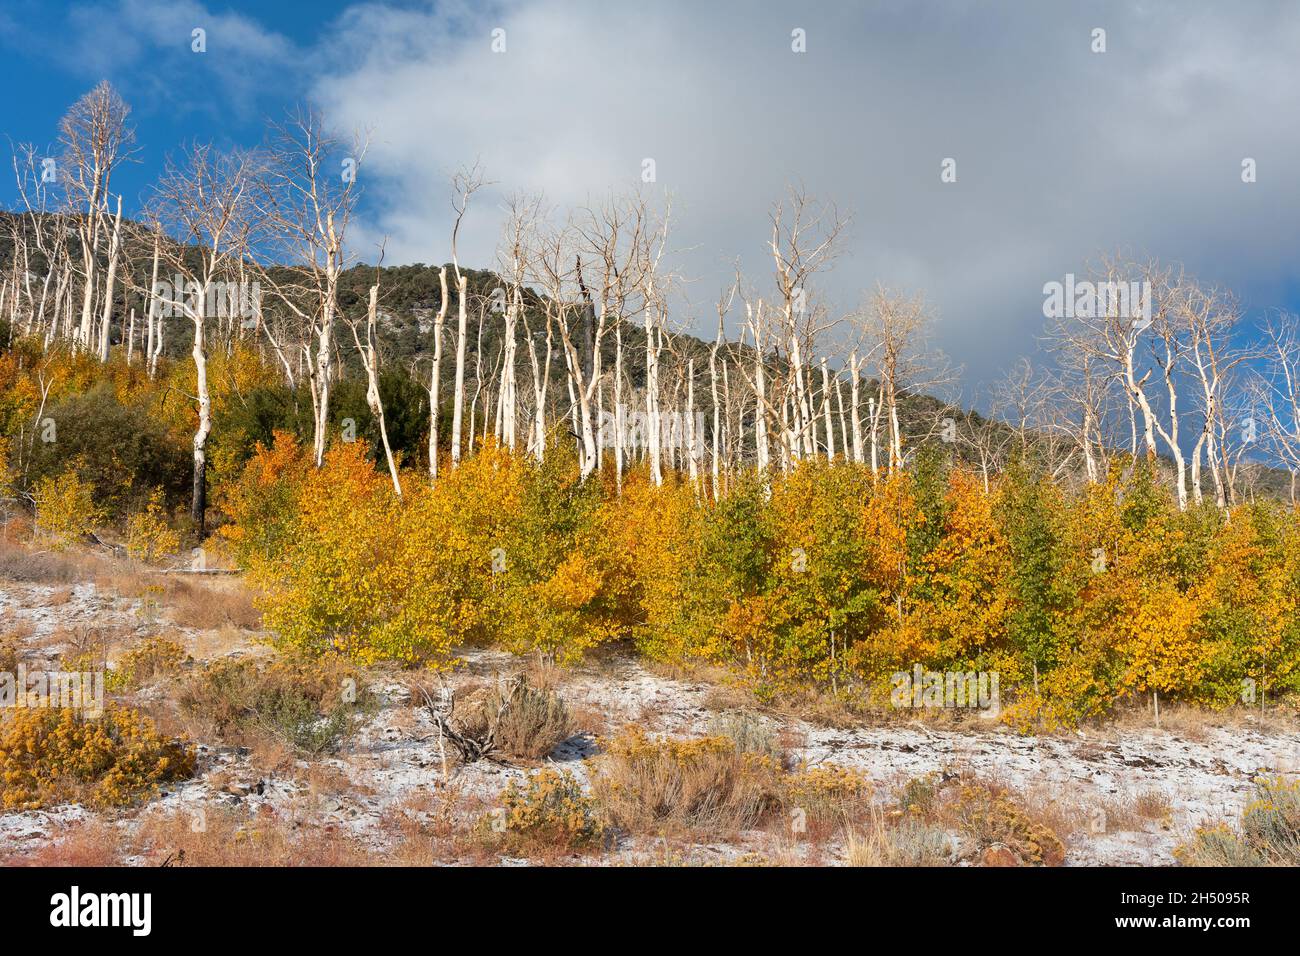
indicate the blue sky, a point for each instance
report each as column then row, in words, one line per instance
column 52, row 52
column 1063, row 154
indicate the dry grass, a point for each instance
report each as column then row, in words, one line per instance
column 210, row 605
column 28, row 565
column 727, row 695
column 88, row 647
column 58, row 597
column 225, row 641
column 590, row 719
column 1195, row 723
column 651, row 786
column 905, row 841
column 91, row 843
column 1130, row 813
column 221, row 837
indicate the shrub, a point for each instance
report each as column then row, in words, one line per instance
column 50, row 756
column 118, row 448
column 150, row 658
column 749, row 732
column 311, row 705
column 1269, row 834
column 148, row 535
column 827, row 793
column 908, row 842
column 524, row 721
column 920, row 794
column 992, row 818
column 65, row 509
column 11, row 651
column 1271, row 822
column 706, row 782
column 551, row 807
column 1218, row 845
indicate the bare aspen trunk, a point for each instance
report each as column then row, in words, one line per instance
column 826, row 413
column 157, row 344
column 90, row 246
column 853, row 410
column 370, row 359
column 896, row 438
column 152, row 314
column 619, row 416
column 600, row 426
column 786, row 440
column 653, row 443
column 732, row 436
column 435, row 391
column 691, row 437
column 106, row 318
column 199, row 498
column 874, row 413
column 541, row 382
column 717, row 414
column 507, row 398
column 323, row 370
column 844, row 428
column 760, row 393
column 458, row 401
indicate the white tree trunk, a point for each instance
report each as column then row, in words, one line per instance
column 458, row 401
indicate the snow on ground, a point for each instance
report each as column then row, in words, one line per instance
column 394, row 757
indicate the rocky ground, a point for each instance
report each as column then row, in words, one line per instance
column 392, row 770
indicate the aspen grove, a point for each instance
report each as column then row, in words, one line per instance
column 536, row 456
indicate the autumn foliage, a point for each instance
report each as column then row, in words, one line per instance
column 826, row 577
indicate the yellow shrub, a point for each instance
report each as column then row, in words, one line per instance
column 552, row 807
column 828, row 793
column 1269, row 834
column 991, row 818
column 65, row 509
column 148, row 536
column 50, row 756
column 152, row 656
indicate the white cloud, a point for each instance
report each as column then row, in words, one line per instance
column 145, row 47
column 1062, row 153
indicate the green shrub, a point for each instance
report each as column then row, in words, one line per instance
column 749, row 732
column 121, row 450
column 311, row 705
column 1269, row 833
